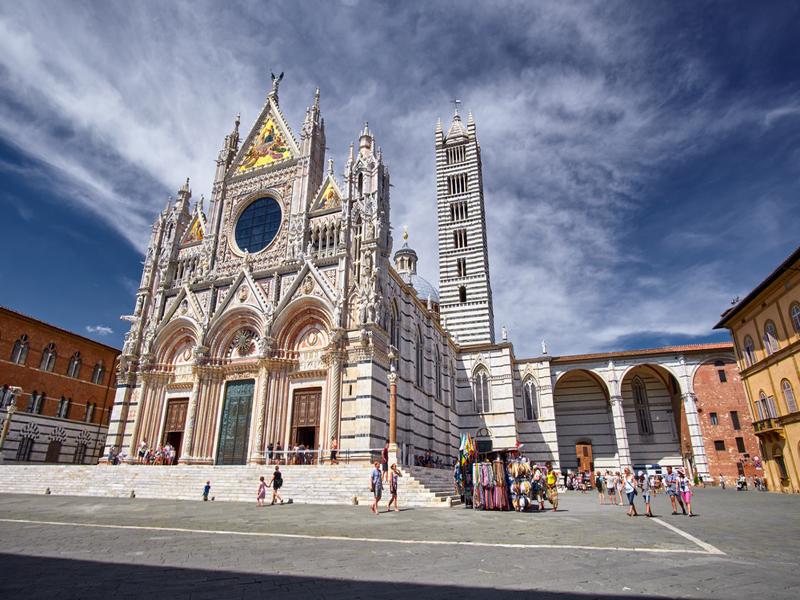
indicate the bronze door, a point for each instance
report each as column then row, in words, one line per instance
column 305, row 417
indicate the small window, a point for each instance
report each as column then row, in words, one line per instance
column 714, row 418
column 740, row 444
column 462, row 294
column 19, row 354
column 723, row 378
column 749, row 351
column 74, row 368
column 90, row 408
column 48, row 357
column 788, row 396
column 719, row 445
column 770, row 338
column 735, row 420
column 480, row 382
column 98, row 374
column 794, row 313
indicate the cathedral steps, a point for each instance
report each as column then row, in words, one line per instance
column 306, row 484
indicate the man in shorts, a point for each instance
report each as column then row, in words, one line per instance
column 376, row 487
column 671, row 483
column 644, row 484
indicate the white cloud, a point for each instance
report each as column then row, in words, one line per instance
column 578, row 113
column 99, row 330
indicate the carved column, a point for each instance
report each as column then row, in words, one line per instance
column 187, row 449
column 696, row 435
column 140, row 395
column 335, row 396
column 257, row 453
column 620, row 432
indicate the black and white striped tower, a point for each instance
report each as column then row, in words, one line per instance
column 464, row 288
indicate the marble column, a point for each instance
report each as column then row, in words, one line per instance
column 696, row 436
column 621, row 433
column 335, row 398
column 187, row 450
column 257, row 452
column 139, row 395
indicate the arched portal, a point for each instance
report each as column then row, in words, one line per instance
column 584, row 423
column 651, row 402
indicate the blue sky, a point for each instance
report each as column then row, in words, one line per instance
column 641, row 161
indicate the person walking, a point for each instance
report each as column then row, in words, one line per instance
column 620, row 485
column 206, row 491
column 629, row 485
column 671, row 481
column 385, row 462
column 685, row 489
column 262, row 491
column 645, row 485
column 551, row 480
column 334, row 451
column 722, row 481
column 598, row 483
column 394, row 474
column 607, row 483
column 375, row 486
column 276, row 483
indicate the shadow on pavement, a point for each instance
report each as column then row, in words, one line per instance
column 42, row 577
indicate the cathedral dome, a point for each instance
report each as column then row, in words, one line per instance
column 405, row 261
column 422, row 286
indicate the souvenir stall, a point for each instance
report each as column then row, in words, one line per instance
column 462, row 473
column 519, row 474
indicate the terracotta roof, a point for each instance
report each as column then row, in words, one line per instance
column 781, row 268
column 728, row 346
column 67, row 331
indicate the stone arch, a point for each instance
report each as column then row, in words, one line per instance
column 295, row 318
column 652, row 404
column 173, row 337
column 581, row 399
column 220, row 336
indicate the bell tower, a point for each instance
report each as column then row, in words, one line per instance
column 464, row 287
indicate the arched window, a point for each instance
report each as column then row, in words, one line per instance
column 529, row 399
column 761, row 406
column 788, row 396
column 80, row 454
column 794, row 313
column 63, row 407
column 357, row 249
column 37, row 403
column 90, row 411
column 74, row 368
column 420, row 359
column 98, row 373
column 480, row 388
column 437, row 368
column 360, row 184
column 5, row 396
column 770, row 337
column 394, row 328
column 19, row 354
column 749, row 351
column 48, row 357
column 642, row 406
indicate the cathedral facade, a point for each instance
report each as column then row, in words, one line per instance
column 281, row 317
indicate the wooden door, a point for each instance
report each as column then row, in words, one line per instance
column 176, row 415
column 583, row 451
column 234, row 431
column 305, row 413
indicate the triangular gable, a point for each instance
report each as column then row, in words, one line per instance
column 191, row 308
column 270, row 142
column 321, row 281
column 329, row 196
column 195, row 232
column 243, row 292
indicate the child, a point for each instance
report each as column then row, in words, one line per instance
column 262, row 491
column 206, row 491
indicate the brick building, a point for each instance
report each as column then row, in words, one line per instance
column 63, row 386
column 730, row 441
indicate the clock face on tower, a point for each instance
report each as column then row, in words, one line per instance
column 257, row 225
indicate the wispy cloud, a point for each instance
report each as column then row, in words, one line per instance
column 100, row 330
column 581, row 109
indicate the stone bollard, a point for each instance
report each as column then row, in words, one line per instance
column 133, row 494
column 449, row 502
column 355, row 500
column 47, row 492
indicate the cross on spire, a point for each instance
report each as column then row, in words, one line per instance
column 455, row 102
